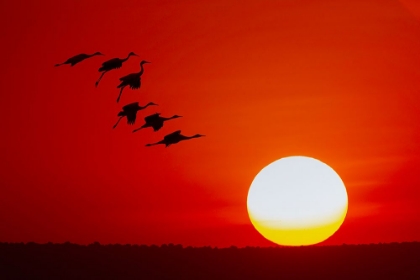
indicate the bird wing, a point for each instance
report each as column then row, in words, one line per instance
column 128, row 77
column 135, row 83
column 130, row 106
column 77, row 58
column 152, row 117
column 172, row 135
column 131, row 117
column 157, row 125
column 111, row 64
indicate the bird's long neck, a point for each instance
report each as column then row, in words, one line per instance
column 183, row 137
column 93, row 54
column 141, row 70
column 191, row 137
column 170, row 118
column 144, row 107
column 125, row 59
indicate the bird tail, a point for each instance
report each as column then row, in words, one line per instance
column 58, row 64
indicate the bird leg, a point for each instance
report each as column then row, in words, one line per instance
column 157, row 143
column 115, row 125
column 152, row 144
column 119, row 96
column 137, row 129
column 97, row 82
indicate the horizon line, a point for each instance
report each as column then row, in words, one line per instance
column 180, row 246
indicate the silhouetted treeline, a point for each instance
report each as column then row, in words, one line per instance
column 96, row 261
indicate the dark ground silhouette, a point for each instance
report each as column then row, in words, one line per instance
column 95, row 261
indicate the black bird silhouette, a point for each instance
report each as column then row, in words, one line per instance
column 155, row 121
column 174, row 138
column 111, row 64
column 78, row 58
column 130, row 111
column 133, row 80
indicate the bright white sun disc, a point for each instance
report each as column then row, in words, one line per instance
column 297, row 201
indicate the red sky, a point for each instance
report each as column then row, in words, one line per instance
column 334, row 80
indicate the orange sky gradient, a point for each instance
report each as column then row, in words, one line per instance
column 335, row 80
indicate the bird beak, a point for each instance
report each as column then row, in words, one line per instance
column 147, row 62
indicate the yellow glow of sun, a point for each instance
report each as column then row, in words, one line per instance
column 297, row 201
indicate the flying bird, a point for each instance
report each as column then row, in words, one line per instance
column 155, row 121
column 111, row 64
column 133, row 80
column 174, row 138
column 78, row 58
column 130, row 111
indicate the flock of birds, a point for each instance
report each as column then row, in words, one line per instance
column 129, row 111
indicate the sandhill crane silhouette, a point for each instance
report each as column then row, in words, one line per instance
column 78, row 58
column 133, row 80
column 174, row 138
column 130, row 111
column 111, row 64
column 155, row 121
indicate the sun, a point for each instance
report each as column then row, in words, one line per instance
column 297, row 201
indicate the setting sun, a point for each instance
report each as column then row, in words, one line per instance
column 297, row 201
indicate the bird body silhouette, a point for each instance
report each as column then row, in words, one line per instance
column 155, row 121
column 174, row 138
column 130, row 111
column 111, row 64
column 78, row 58
column 133, row 80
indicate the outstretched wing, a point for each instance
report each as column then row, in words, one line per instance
column 152, row 117
column 111, row 64
column 157, row 125
column 131, row 106
column 135, row 83
column 172, row 135
column 131, row 117
column 129, row 77
column 77, row 58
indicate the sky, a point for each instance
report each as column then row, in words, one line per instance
column 335, row 80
